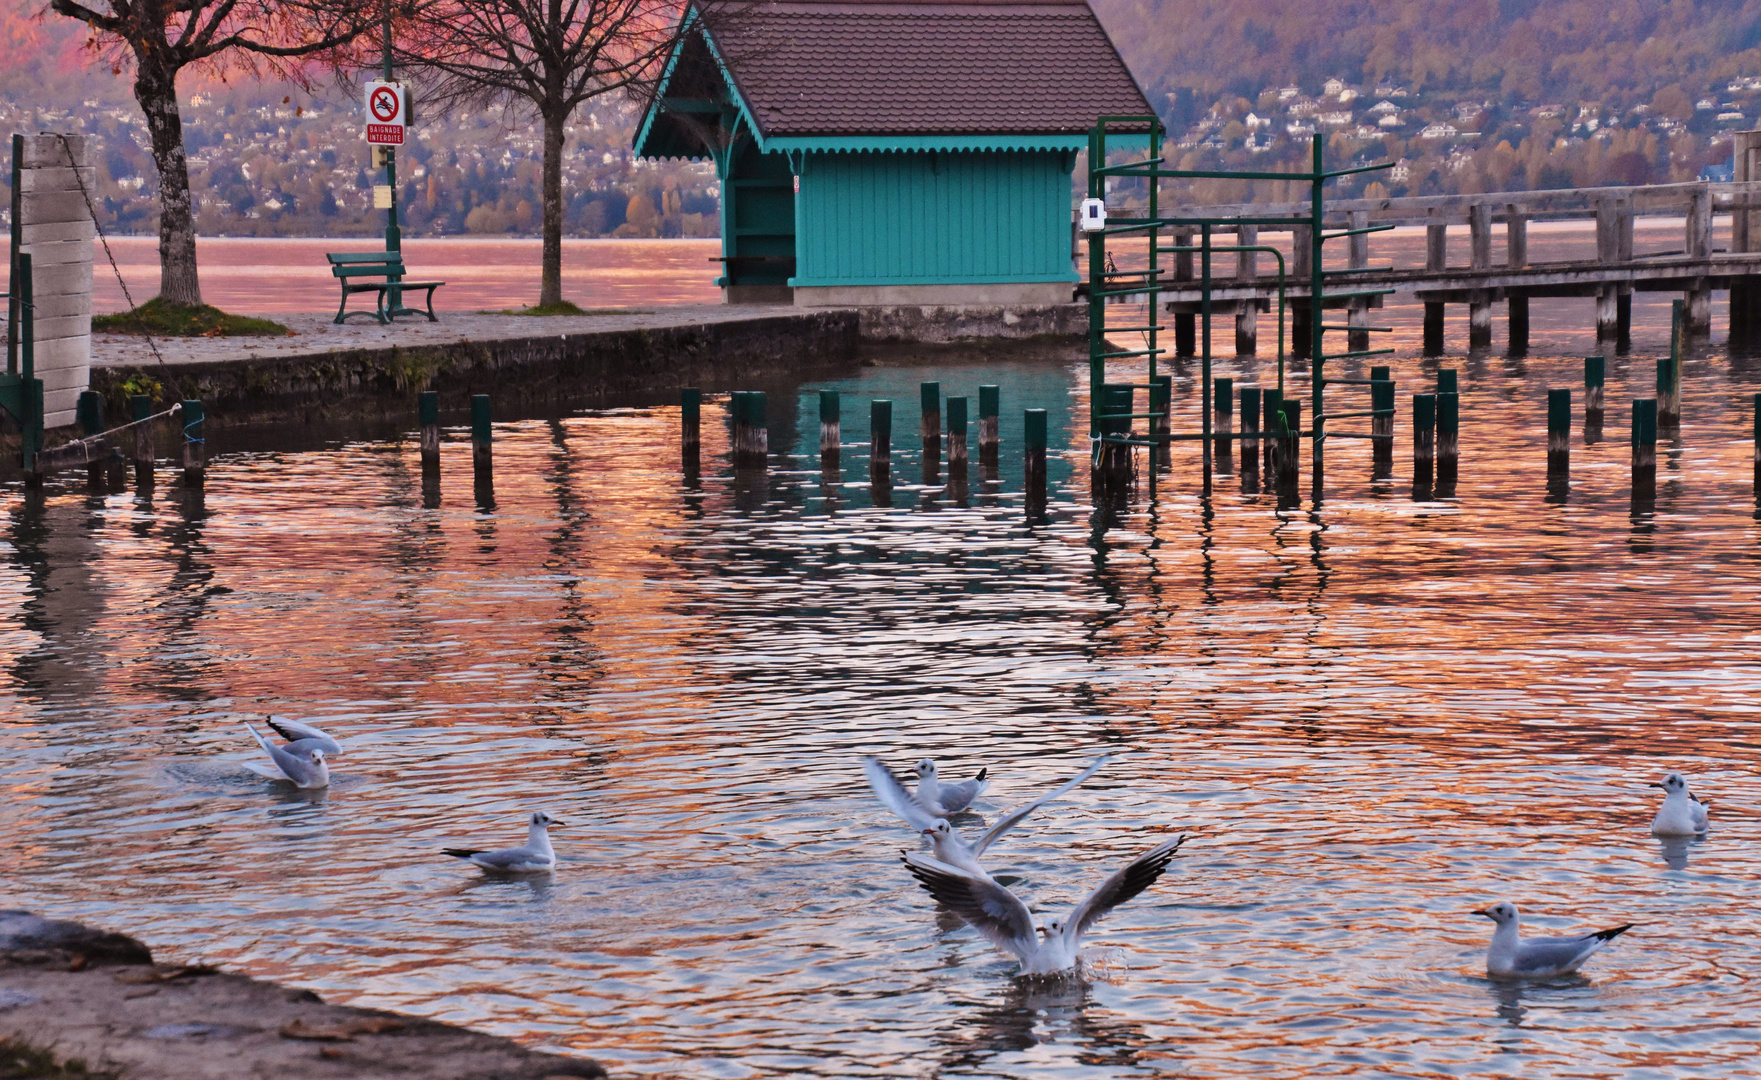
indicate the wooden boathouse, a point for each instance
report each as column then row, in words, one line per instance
column 891, row 152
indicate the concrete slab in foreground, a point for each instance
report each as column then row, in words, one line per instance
column 97, row 997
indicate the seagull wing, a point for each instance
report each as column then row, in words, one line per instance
column 512, row 859
column 1120, row 887
column 893, row 795
column 1014, row 817
column 957, row 797
column 1702, row 814
column 273, row 771
column 1541, row 957
column 294, row 731
column 991, row 909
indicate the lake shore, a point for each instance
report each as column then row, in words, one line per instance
column 87, row 995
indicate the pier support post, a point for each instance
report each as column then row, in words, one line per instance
column 1479, row 322
column 89, row 411
column 751, row 429
column 880, row 451
column 1222, row 425
column 957, row 432
column 1247, row 313
column 1113, row 459
column 930, row 394
column 1623, row 321
column 1644, row 449
column 1558, row 434
column 1382, row 428
column 831, row 428
column 1448, row 381
column 1699, row 300
column 1607, row 314
column 1301, row 309
column 428, row 428
column 1301, row 336
column 1357, row 258
column 141, row 407
column 1250, row 439
column 990, row 403
column 1669, row 415
column 1271, row 422
column 1185, row 325
column 1448, row 443
column 1595, row 370
column 1755, row 418
column 1433, row 328
column 482, row 450
column 1290, row 448
column 195, row 447
column 1480, row 235
column 1519, row 326
column 1424, row 443
column 1034, row 460
column 1161, row 423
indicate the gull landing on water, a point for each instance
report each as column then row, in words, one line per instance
column 945, row 801
column 1681, row 814
column 300, row 762
column 1510, row 957
column 949, row 848
column 1005, row 922
column 535, row 857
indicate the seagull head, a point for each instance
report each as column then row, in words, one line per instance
column 1500, row 913
column 926, row 769
column 317, row 757
column 544, row 821
column 1672, row 783
column 939, row 827
column 1052, row 927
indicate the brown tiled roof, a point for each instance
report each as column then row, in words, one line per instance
column 932, row 67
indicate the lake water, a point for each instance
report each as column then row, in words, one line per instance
column 1371, row 715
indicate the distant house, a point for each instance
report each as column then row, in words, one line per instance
column 1333, row 87
column 1437, row 131
column 1384, row 108
column 897, row 152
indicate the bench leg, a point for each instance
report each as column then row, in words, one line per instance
column 342, row 307
column 431, row 317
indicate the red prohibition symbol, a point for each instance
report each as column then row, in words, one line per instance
column 384, row 105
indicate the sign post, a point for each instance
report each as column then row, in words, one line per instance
column 387, row 118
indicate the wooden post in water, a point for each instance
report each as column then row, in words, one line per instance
column 482, row 449
column 195, row 447
column 1644, row 447
column 831, row 428
column 1480, row 307
column 1185, row 325
column 1301, row 310
column 1448, row 443
column 1113, row 459
column 990, row 404
column 1271, row 413
column 1222, row 425
column 1436, row 259
column 751, row 434
column 1756, row 420
column 1382, row 427
column 931, row 393
column 1250, row 438
column 1247, row 313
column 1424, row 442
column 1034, row 458
column 1516, row 244
column 1358, row 258
column 89, row 410
column 1669, row 406
column 957, row 432
column 1558, row 433
column 1290, row 452
column 880, row 442
column 690, row 428
column 1698, row 245
column 141, row 407
column 1595, row 370
column 428, row 424
column 1162, row 404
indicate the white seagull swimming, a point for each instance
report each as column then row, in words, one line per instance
column 946, row 800
column 1510, row 957
column 300, row 762
column 1004, row 920
column 304, row 737
column 1681, row 814
column 949, row 848
column 535, row 857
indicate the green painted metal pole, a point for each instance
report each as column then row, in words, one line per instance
column 1317, row 316
column 1595, row 372
column 1292, row 455
column 482, row 436
column 428, row 419
column 1381, row 426
column 1272, row 409
column 1424, row 439
column 931, row 395
column 1223, row 423
column 1162, row 405
column 1034, row 455
column 1204, row 392
column 990, row 402
column 140, row 407
column 956, row 432
column 1448, row 442
column 1558, row 432
column 1250, row 437
column 1644, row 444
column 195, row 445
column 1447, row 383
column 30, row 388
column 880, row 440
column 1668, row 394
column 1097, row 276
column 831, row 425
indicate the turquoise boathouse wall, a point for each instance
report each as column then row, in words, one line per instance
column 932, row 217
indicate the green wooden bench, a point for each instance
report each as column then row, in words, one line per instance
column 350, row 267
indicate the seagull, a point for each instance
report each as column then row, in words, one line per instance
column 1004, row 920
column 300, row 762
column 949, row 848
column 304, row 736
column 535, row 857
column 1509, row 957
column 950, row 800
column 1681, row 813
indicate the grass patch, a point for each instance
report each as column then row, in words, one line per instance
column 21, row 1061
column 161, row 318
column 565, row 308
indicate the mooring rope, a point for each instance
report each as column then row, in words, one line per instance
column 102, row 239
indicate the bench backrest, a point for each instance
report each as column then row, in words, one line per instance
column 366, row 264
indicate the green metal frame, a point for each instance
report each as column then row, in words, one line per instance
column 1102, row 287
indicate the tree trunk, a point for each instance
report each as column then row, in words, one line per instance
column 156, row 91
column 550, row 289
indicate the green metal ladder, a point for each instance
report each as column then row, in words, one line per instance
column 1111, row 414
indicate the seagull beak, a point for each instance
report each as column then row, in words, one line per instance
column 558, row 825
column 1482, row 912
column 929, row 832
column 1657, row 784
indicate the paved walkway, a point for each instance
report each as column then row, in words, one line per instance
column 315, row 333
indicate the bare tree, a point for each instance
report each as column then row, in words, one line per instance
column 162, row 37
column 548, row 55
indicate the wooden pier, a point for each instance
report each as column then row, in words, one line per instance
column 1694, row 270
